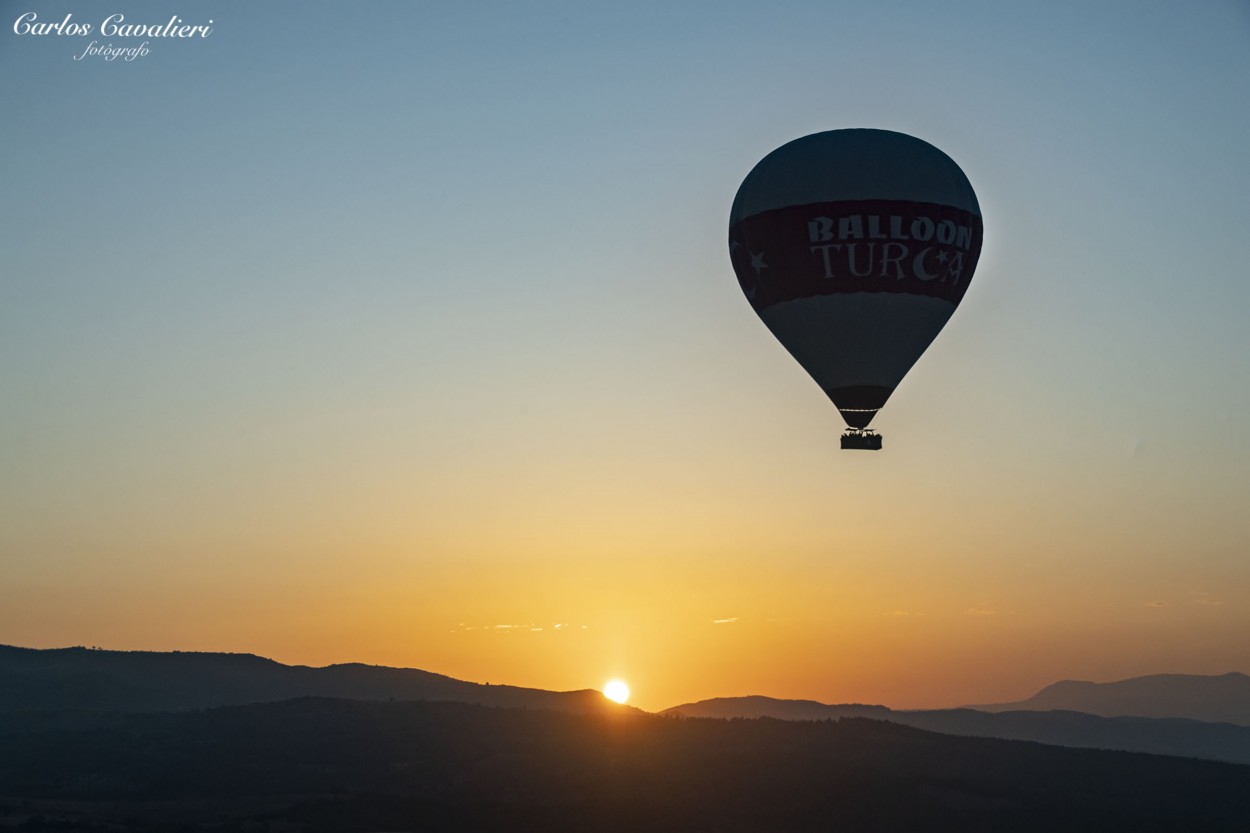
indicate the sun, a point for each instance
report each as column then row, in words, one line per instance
column 616, row 690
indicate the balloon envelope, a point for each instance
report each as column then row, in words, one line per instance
column 854, row 247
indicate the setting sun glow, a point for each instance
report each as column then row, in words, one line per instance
column 616, row 690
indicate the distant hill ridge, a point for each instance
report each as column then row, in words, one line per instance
column 1159, row 736
column 83, row 680
column 1168, row 714
column 1223, row 698
column 756, row 706
column 87, row 679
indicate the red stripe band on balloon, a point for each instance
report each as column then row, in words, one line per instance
column 855, row 246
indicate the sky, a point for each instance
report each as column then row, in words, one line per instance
column 405, row 333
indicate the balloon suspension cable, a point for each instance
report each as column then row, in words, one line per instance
column 861, row 438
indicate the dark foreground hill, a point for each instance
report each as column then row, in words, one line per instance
column 147, row 681
column 1161, row 736
column 332, row 765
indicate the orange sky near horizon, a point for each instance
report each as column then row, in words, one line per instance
column 457, row 375
column 681, row 598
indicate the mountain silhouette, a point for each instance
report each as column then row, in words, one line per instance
column 76, row 680
column 1162, row 736
column 1218, row 699
column 754, row 706
column 83, row 679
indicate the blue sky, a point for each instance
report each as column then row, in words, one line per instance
column 416, row 288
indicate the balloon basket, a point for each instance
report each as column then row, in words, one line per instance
column 861, row 438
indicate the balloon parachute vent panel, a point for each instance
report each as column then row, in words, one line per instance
column 866, row 440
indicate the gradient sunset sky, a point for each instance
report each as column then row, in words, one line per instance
column 405, row 333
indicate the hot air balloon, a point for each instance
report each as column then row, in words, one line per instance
column 854, row 247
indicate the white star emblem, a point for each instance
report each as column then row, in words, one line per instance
column 942, row 257
column 757, row 263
